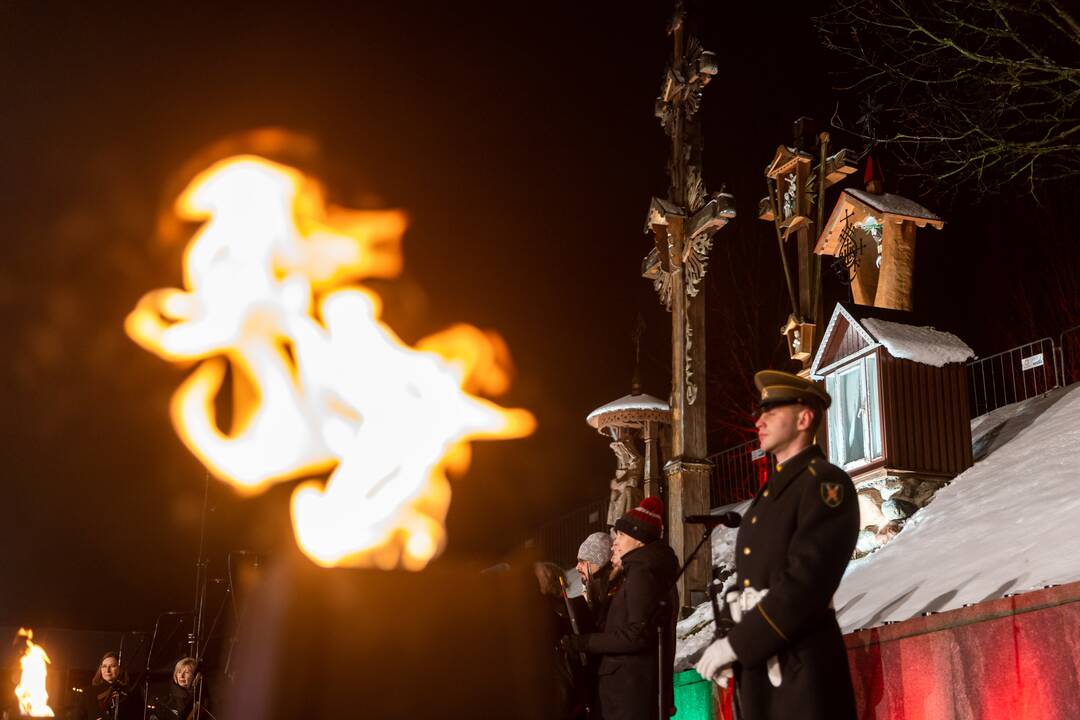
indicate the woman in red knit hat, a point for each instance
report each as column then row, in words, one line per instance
column 637, row 645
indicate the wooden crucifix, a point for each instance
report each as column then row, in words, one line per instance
column 682, row 225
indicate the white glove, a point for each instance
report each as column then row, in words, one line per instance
column 716, row 659
column 773, row 666
column 740, row 603
column 750, row 597
column 732, row 599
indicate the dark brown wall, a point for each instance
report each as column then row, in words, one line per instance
column 844, row 341
column 925, row 416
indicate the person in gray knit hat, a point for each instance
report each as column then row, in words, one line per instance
column 594, row 567
column 594, row 553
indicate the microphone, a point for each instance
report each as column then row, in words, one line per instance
column 256, row 558
column 728, row 519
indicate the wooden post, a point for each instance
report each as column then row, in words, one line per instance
column 897, row 266
column 652, row 472
column 683, row 225
column 688, row 494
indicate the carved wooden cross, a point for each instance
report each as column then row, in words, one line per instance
column 683, row 225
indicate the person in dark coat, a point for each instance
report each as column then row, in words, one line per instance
column 186, row 689
column 636, row 647
column 109, row 694
column 786, row 651
column 572, row 683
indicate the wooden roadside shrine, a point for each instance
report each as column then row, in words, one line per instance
column 794, row 205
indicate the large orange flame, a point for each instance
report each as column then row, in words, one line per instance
column 31, row 692
column 320, row 383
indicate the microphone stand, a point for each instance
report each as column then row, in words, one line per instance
column 114, row 698
column 150, row 657
column 201, row 567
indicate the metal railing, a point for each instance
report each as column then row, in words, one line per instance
column 1069, row 355
column 736, row 473
column 1014, row 375
column 558, row 541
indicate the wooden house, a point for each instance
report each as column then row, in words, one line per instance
column 894, row 406
column 899, row 421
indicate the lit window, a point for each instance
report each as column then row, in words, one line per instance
column 854, row 416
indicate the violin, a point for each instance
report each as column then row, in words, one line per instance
column 109, row 698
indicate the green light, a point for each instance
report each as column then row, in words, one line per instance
column 693, row 697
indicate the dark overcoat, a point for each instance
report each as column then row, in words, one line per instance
column 796, row 540
column 630, row 647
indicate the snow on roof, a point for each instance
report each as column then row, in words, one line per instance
column 1005, row 525
column 922, row 344
column 649, row 406
column 894, row 204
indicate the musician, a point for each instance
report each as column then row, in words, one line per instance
column 184, row 692
column 600, row 577
column 570, row 700
column 109, row 695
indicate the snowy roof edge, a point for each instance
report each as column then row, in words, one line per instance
column 925, row 345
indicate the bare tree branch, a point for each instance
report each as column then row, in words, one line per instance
column 976, row 95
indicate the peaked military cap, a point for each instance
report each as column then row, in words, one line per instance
column 781, row 388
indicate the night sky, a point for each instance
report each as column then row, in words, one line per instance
column 521, row 142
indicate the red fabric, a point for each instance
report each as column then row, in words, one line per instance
column 761, row 469
column 1008, row 659
column 726, row 712
column 1013, row 658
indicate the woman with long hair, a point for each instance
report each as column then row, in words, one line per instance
column 108, row 694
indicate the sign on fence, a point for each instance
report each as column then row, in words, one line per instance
column 1031, row 362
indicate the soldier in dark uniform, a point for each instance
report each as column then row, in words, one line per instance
column 786, row 651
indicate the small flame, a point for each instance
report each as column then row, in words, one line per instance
column 319, row 382
column 31, row 692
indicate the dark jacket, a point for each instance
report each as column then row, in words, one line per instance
column 630, row 669
column 574, row 682
column 600, row 590
column 177, row 705
column 98, row 700
column 796, row 540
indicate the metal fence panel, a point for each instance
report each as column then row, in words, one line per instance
column 559, row 540
column 1069, row 356
column 735, row 474
column 1014, row 375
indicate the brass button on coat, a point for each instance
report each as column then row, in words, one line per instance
column 746, row 551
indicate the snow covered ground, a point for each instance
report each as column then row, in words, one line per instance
column 1006, row 525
